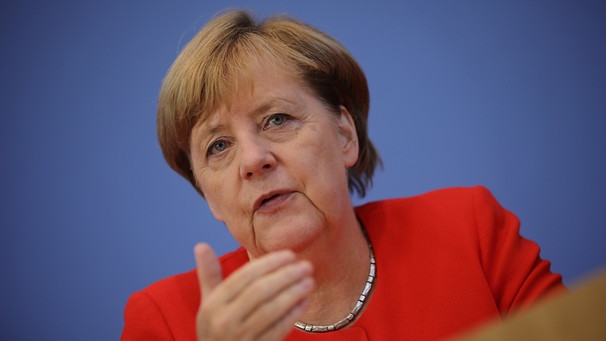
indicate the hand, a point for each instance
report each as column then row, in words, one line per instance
column 259, row 301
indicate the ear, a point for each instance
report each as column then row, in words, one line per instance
column 348, row 137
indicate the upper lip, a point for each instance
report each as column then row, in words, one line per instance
column 266, row 196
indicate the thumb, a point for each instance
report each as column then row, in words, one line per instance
column 208, row 268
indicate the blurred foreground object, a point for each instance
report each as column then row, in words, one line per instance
column 577, row 315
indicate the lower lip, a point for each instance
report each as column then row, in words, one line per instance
column 274, row 203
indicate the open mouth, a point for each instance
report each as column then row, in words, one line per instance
column 273, row 201
column 269, row 199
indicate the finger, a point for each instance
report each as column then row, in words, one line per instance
column 280, row 329
column 266, row 289
column 256, row 269
column 222, row 310
column 208, row 268
column 275, row 318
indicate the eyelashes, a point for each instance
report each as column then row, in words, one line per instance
column 277, row 122
column 218, row 146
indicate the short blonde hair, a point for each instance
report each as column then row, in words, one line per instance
column 203, row 75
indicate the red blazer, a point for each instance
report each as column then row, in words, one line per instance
column 447, row 261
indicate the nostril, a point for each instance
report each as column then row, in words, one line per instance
column 252, row 171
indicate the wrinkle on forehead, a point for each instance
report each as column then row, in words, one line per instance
column 239, row 82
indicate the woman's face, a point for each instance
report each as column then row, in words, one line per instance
column 273, row 164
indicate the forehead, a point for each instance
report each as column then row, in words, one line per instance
column 260, row 86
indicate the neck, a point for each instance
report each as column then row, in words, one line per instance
column 341, row 259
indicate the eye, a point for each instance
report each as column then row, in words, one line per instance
column 276, row 120
column 218, row 147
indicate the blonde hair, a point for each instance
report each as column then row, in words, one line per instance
column 204, row 74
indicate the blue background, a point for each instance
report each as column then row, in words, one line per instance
column 510, row 95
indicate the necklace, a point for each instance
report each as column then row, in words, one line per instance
column 359, row 304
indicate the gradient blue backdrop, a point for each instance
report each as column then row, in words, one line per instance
column 509, row 94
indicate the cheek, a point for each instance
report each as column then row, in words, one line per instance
column 214, row 193
column 213, row 203
column 325, row 153
column 224, row 201
column 323, row 165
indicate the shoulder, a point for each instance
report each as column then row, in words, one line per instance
column 182, row 290
column 168, row 307
column 161, row 310
column 444, row 218
column 453, row 200
column 186, row 284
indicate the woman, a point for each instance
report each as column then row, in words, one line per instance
column 268, row 123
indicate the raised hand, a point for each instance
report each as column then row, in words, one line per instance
column 259, row 301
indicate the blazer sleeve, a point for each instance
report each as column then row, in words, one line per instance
column 143, row 320
column 513, row 267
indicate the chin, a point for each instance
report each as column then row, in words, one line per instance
column 296, row 239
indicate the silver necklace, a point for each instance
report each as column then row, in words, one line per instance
column 359, row 304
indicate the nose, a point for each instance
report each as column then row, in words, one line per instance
column 256, row 158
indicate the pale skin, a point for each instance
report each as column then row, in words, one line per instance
column 272, row 166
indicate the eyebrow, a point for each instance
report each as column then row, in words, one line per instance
column 204, row 130
column 269, row 104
